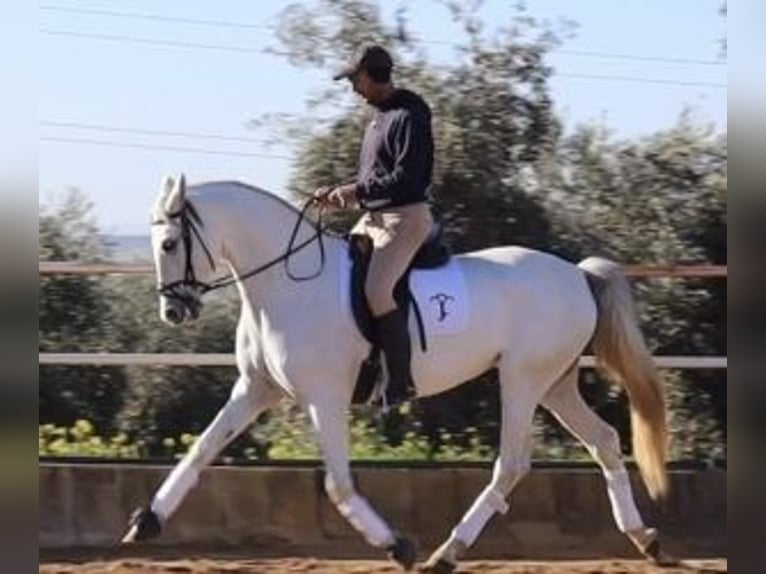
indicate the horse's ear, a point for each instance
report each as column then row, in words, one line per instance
column 158, row 209
column 177, row 196
column 167, row 185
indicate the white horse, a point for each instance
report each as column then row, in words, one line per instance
column 532, row 316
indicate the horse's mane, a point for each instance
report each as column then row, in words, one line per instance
column 298, row 211
column 251, row 188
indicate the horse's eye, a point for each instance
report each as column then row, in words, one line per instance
column 169, row 245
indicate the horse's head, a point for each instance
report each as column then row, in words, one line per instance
column 182, row 260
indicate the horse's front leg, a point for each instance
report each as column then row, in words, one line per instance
column 249, row 398
column 331, row 425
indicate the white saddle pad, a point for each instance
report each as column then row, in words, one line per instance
column 441, row 294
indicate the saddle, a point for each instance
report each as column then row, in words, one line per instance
column 432, row 254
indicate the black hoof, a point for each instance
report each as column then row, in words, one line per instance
column 440, row 567
column 144, row 524
column 656, row 555
column 403, row 552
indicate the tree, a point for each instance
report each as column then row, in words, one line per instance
column 119, row 314
column 167, row 402
column 74, row 316
column 661, row 199
column 492, row 112
column 505, row 174
column 492, row 118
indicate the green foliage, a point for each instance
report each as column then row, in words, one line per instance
column 164, row 401
column 493, row 115
column 75, row 315
column 119, row 314
column 81, row 440
column 493, row 124
column 285, row 436
column 507, row 174
column 659, row 199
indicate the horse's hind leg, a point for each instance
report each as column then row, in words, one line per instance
column 520, row 394
column 603, row 443
column 248, row 399
column 331, row 424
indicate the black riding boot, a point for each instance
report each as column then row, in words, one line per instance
column 395, row 341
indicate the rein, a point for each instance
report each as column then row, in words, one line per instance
column 190, row 220
column 285, row 257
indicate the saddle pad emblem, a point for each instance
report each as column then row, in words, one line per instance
column 442, row 296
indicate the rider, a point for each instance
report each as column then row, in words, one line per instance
column 392, row 183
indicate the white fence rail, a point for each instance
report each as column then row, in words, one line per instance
column 227, row 360
column 79, row 268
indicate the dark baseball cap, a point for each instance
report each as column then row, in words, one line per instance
column 370, row 57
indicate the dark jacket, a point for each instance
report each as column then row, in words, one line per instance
column 396, row 160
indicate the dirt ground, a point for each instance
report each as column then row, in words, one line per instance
column 317, row 566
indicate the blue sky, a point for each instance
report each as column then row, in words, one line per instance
column 101, row 82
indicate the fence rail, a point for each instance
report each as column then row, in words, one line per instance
column 647, row 271
column 228, row 360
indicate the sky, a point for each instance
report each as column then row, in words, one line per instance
column 664, row 58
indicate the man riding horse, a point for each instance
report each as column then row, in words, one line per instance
column 528, row 314
column 395, row 166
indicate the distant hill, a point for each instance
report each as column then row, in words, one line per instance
column 129, row 248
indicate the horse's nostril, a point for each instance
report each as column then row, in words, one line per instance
column 173, row 315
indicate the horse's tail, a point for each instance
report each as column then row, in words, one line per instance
column 621, row 351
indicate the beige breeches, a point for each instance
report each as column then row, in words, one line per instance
column 397, row 234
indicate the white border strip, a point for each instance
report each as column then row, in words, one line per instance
column 228, row 360
column 79, row 268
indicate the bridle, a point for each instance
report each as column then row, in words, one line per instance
column 191, row 222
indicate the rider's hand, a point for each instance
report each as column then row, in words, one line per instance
column 343, row 195
column 321, row 193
